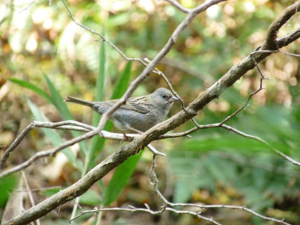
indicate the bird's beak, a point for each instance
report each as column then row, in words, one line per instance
column 173, row 99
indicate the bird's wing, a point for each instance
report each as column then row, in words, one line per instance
column 138, row 104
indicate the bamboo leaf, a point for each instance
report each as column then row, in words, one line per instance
column 32, row 87
column 63, row 110
column 120, row 178
column 122, row 83
column 58, row 101
column 53, row 136
column 119, row 90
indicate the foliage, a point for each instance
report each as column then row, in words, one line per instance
column 46, row 54
column 7, row 186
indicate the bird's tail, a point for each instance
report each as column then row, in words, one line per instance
column 78, row 101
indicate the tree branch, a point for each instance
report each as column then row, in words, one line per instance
column 154, row 182
column 64, row 126
column 270, row 42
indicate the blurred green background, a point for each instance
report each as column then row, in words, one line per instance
column 40, row 45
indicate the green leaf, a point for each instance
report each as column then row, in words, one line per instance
column 98, row 142
column 120, row 178
column 63, row 110
column 58, row 101
column 90, row 198
column 50, row 192
column 55, row 139
column 7, row 185
column 119, row 90
column 122, row 82
column 33, row 88
column 100, row 85
column 101, row 186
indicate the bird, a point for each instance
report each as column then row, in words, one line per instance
column 137, row 114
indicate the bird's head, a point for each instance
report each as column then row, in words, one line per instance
column 163, row 97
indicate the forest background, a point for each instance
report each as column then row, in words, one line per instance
column 44, row 54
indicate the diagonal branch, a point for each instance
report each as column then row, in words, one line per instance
column 270, row 42
column 179, row 6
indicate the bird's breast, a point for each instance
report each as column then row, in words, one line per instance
column 135, row 119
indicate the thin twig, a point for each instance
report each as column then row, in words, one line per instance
column 102, row 37
column 61, row 125
column 261, row 141
column 30, row 194
column 153, row 180
column 290, row 54
column 172, row 90
column 154, row 151
column 31, row 3
column 15, row 144
column 40, row 189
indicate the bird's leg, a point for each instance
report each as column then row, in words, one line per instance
column 131, row 128
column 139, row 132
column 124, row 137
column 135, row 130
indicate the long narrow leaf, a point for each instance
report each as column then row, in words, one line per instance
column 55, row 139
column 122, row 82
column 32, row 87
column 7, row 185
column 90, row 198
column 120, row 178
column 100, row 84
column 63, row 110
column 124, row 171
column 98, row 142
column 119, row 90
column 58, row 100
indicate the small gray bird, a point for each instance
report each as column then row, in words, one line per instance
column 138, row 114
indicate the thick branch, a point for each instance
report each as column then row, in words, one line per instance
column 277, row 24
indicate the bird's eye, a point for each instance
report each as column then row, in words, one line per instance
column 164, row 96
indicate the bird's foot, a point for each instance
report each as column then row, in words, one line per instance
column 124, row 137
